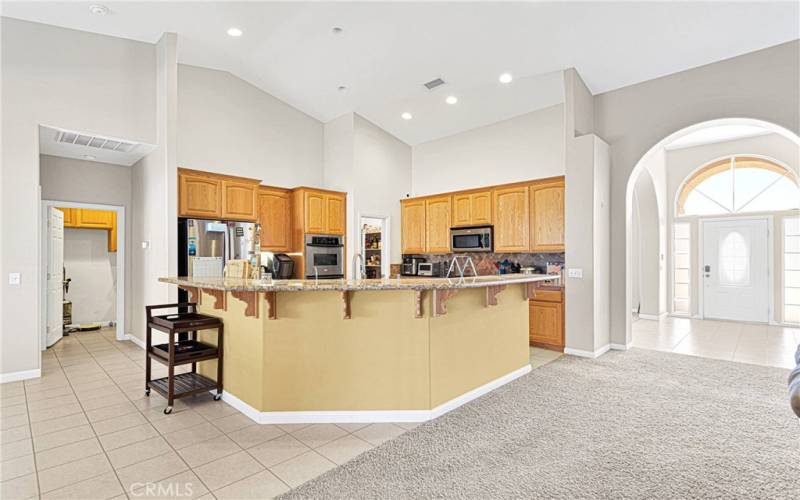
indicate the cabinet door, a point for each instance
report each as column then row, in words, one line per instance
column 69, row 216
column 99, row 219
column 511, row 221
column 334, row 214
column 462, row 210
column 412, row 226
column 239, row 200
column 199, row 196
column 547, row 217
column 437, row 224
column 481, row 205
column 112, row 234
column 546, row 323
column 315, row 212
column 274, row 215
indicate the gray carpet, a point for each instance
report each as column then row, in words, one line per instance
column 638, row 424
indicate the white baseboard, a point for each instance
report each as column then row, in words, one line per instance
column 587, row 354
column 652, row 317
column 20, row 375
column 135, row 340
column 315, row 417
column 621, row 347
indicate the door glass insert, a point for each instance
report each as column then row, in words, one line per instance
column 734, row 260
column 681, row 271
column 791, row 269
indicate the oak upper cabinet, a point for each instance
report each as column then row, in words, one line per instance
column 274, row 215
column 437, row 224
column 546, row 318
column 511, row 219
column 334, row 214
column 112, row 233
column 472, row 209
column 70, row 216
column 315, row 212
column 99, row 219
column 199, row 195
column 547, row 216
column 412, row 216
column 239, row 199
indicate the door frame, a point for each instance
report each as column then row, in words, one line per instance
column 386, row 249
column 120, row 291
column 770, row 262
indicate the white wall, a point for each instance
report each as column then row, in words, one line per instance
column 529, row 146
column 65, row 179
column 634, row 119
column 93, row 271
column 63, row 78
column 228, row 126
column 646, row 247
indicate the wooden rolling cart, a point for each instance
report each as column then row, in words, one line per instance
column 182, row 352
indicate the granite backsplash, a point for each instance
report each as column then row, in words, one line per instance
column 485, row 262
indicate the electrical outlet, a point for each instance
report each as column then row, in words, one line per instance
column 575, row 273
column 14, row 278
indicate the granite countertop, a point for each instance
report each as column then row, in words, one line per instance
column 252, row 285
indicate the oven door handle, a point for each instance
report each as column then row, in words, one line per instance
column 324, row 246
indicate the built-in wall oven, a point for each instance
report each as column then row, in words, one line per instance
column 324, row 256
column 471, row 239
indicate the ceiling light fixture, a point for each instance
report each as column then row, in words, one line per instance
column 451, row 99
column 337, row 30
column 235, row 32
column 98, row 10
column 506, row 78
column 406, row 116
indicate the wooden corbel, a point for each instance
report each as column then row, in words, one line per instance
column 530, row 290
column 418, row 304
column 270, row 298
column 345, row 304
column 491, row 294
column 220, row 299
column 251, row 299
column 194, row 294
column 440, row 298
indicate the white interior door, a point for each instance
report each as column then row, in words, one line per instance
column 55, row 277
column 736, row 270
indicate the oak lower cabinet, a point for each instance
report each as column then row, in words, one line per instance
column 511, row 219
column 239, row 199
column 546, row 323
column 412, row 215
column 437, row 224
column 472, row 208
column 199, row 195
column 547, row 216
column 275, row 217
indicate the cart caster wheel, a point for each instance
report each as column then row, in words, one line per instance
column 147, row 392
column 217, row 397
column 167, row 410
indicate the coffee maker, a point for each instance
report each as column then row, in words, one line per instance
column 410, row 265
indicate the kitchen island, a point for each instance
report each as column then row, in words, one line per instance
column 365, row 350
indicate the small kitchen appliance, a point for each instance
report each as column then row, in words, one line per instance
column 471, row 239
column 411, row 265
column 324, row 256
column 282, row 267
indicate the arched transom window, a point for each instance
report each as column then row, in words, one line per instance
column 739, row 184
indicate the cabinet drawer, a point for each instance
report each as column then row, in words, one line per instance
column 547, row 295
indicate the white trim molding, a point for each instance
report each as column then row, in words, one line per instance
column 315, row 417
column 587, row 354
column 653, row 317
column 135, row 340
column 620, row 347
column 20, row 375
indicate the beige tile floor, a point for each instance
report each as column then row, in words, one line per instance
column 743, row 342
column 85, row 430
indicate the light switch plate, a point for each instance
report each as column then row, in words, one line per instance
column 575, row 273
column 14, row 278
column 145, row 244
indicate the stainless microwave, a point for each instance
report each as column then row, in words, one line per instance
column 471, row 239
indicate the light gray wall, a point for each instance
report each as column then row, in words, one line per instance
column 52, row 76
column 228, row 126
column 529, row 146
column 646, row 247
column 93, row 271
column 80, row 181
column 761, row 85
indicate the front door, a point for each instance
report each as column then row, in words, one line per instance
column 736, row 270
column 55, row 275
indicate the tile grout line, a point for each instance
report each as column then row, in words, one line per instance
column 33, row 451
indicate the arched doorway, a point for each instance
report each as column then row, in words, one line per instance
column 649, row 158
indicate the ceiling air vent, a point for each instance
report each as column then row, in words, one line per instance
column 95, row 141
column 434, row 83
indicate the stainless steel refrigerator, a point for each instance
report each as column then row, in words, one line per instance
column 205, row 246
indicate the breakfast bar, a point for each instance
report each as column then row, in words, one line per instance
column 365, row 350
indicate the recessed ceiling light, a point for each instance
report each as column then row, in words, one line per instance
column 342, row 88
column 99, row 10
column 451, row 99
column 235, row 32
column 406, row 116
column 506, row 78
column 88, row 157
column 337, row 30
